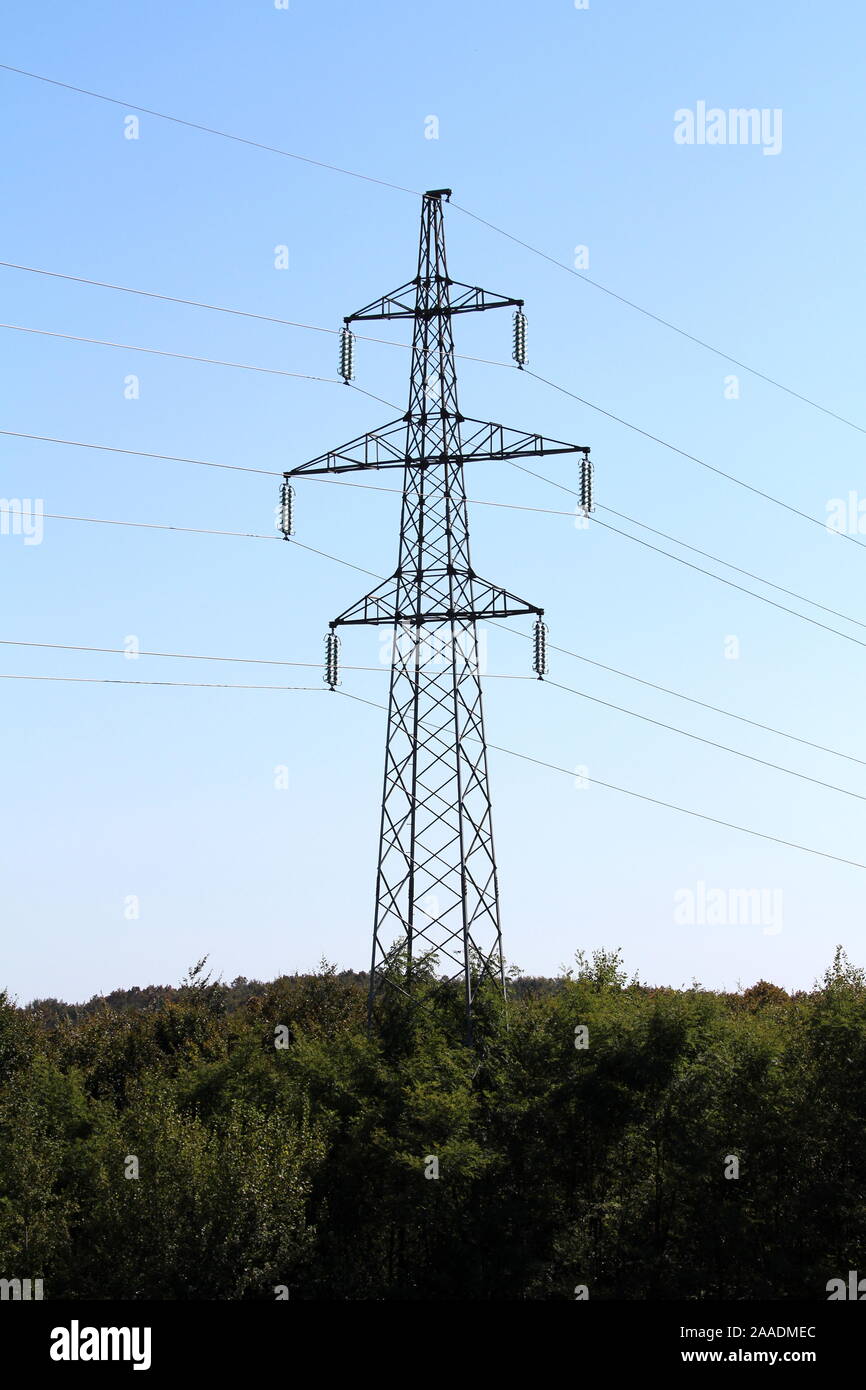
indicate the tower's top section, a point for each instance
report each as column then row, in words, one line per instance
column 432, row 293
column 433, row 431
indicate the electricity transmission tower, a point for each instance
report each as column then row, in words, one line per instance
column 436, row 885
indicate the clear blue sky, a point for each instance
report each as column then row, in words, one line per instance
column 558, row 125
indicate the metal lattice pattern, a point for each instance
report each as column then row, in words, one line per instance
column 436, row 887
column 436, row 882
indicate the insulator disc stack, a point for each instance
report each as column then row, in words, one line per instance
column 287, row 509
column 347, row 354
column 519, row 353
column 332, row 660
column 586, row 500
column 539, row 656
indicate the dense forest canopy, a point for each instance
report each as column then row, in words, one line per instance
column 252, row 1141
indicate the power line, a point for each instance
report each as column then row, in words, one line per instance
column 252, row 535
column 193, row 530
column 730, row 583
column 208, row 130
column 642, row 796
column 693, row 458
column 191, row 303
column 571, row 690
column 236, row 660
column 238, row 313
column 314, row 665
column 189, row 357
column 665, row 323
column 131, row 347
column 475, row 501
column 540, row 476
column 317, row 328
column 467, row 212
column 153, row 526
column 305, row 376
column 484, row 360
column 668, row 805
column 679, row 695
column 198, row 685
column 140, row 453
column 162, row 352
column 222, row 685
column 720, row 579
column 686, row 545
column 264, row 661
column 723, row 747
column 178, row 656
column 728, row 565
column 480, row 502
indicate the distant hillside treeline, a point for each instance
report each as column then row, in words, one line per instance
column 240, row 991
column 228, row 1141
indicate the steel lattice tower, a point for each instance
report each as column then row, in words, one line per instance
column 436, row 885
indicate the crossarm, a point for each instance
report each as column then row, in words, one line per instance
column 481, row 440
column 401, row 303
column 390, row 602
